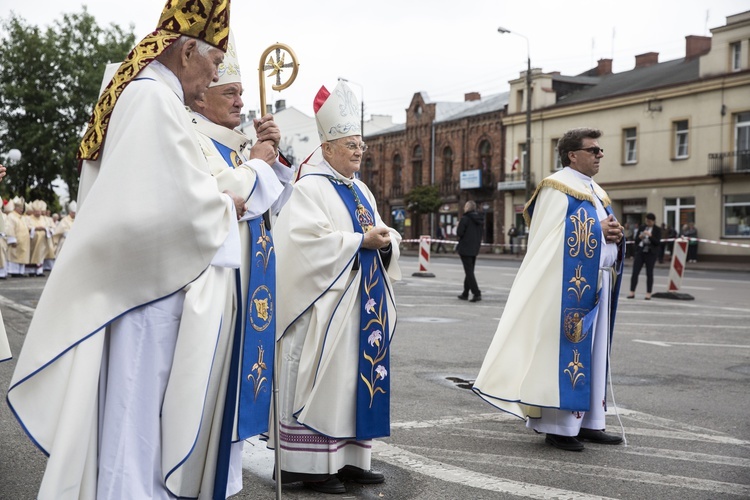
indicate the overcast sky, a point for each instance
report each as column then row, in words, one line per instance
column 395, row 48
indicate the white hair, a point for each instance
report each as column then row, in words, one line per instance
column 202, row 46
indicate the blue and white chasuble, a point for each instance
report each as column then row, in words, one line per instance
column 373, row 389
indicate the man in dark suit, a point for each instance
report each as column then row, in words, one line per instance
column 469, row 234
column 647, row 241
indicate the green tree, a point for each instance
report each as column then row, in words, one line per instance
column 423, row 199
column 49, row 82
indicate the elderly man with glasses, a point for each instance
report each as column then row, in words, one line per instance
column 548, row 360
column 336, row 259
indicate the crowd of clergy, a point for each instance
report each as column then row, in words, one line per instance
column 31, row 237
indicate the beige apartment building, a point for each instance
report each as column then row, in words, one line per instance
column 676, row 136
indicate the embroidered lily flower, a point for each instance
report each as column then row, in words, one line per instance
column 381, row 371
column 370, row 305
column 375, row 337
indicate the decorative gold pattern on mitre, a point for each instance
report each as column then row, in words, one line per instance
column 150, row 47
column 207, row 20
column 583, row 238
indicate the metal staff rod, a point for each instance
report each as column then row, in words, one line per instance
column 276, row 68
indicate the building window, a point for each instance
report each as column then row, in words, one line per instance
column 742, row 141
column 678, row 212
column 485, row 155
column 556, row 163
column 522, row 156
column 447, row 164
column 519, row 101
column 630, row 146
column 680, row 139
column 397, row 171
column 737, row 215
column 735, row 50
column 416, row 166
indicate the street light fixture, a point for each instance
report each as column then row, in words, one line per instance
column 527, row 160
column 362, row 103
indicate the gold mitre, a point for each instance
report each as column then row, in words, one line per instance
column 206, row 20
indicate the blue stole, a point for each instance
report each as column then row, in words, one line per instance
column 248, row 353
column 260, row 334
column 373, row 387
column 580, row 303
column 230, row 156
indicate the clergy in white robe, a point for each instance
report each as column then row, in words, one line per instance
column 40, row 237
column 263, row 179
column 3, row 243
column 5, row 353
column 63, row 227
column 122, row 375
column 333, row 328
column 548, row 360
column 17, row 235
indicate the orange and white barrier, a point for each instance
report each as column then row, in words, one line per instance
column 676, row 270
column 424, row 257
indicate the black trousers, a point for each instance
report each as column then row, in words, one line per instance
column 470, row 281
column 641, row 258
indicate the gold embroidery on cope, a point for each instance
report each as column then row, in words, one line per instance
column 582, row 237
column 260, row 318
column 266, row 248
column 576, row 365
column 259, row 379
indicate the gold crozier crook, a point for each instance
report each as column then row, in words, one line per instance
column 276, row 67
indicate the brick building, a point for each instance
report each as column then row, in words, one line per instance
column 459, row 147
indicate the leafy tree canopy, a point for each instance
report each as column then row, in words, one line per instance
column 423, row 199
column 49, row 82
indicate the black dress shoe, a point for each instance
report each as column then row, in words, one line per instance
column 567, row 443
column 600, row 437
column 330, row 485
column 476, row 298
column 361, row 476
column 464, row 296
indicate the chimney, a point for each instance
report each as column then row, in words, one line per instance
column 647, row 59
column 472, row 96
column 280, row 105
column 697, row 46
column 604, row 67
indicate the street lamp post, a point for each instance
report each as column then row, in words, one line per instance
column 362, row 104
column 527, row 160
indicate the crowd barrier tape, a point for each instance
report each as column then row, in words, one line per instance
column 666, row 240
column 701, row 240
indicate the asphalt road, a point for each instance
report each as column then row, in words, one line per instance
column 681, row 381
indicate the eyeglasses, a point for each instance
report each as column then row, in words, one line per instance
column 593, row 150
column 352, row 146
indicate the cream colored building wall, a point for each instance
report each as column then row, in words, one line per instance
column 656, row 175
